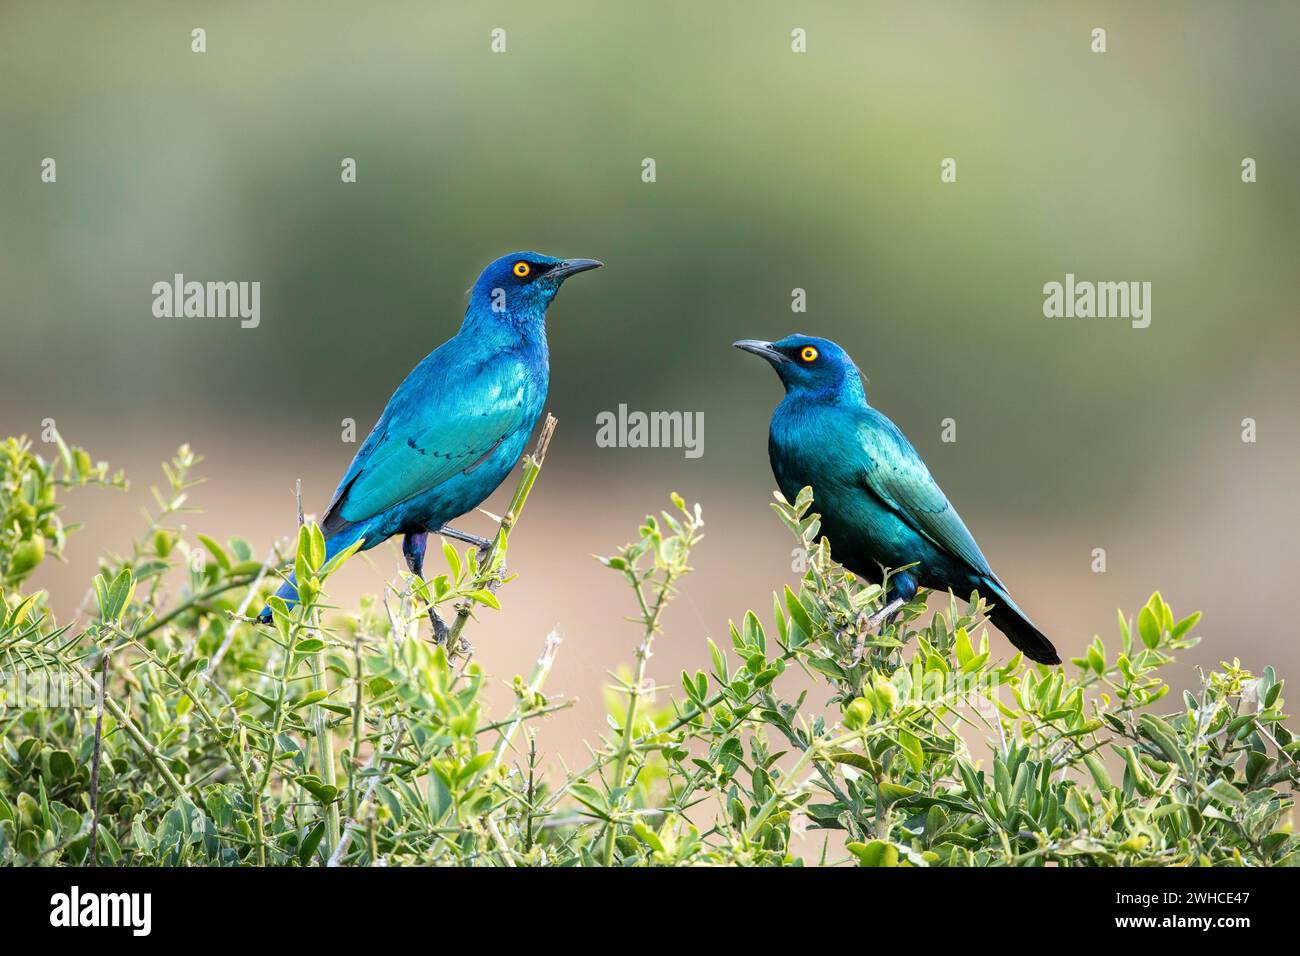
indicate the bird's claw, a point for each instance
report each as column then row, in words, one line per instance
column 440, row 629
column 442, row 635
column 484, row 556
column 867, row 622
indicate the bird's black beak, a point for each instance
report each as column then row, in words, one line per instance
column 571, row 267
column 763, row 349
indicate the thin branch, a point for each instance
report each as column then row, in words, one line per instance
column 94, row 763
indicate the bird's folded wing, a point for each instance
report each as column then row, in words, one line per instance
column 449, row 426
column 897, row 476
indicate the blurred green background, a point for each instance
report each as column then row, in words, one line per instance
column 775, row 170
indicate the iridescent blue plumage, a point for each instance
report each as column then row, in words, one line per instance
column 458, row 423
column 878, row 502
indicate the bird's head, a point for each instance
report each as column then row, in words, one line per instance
column 808, row 365
column 518, row 287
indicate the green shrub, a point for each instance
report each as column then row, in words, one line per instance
column 344, row 737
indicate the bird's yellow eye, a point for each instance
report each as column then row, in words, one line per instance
column 808, row 353
column 522, row 269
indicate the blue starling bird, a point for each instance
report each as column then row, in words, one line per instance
column 457, row 424
column 880, row 507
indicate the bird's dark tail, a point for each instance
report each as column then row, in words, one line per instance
column 333, row 545
column 1020, row 631
column 288, row 591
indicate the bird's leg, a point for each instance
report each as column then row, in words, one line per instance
column 413, row 546
column 440, row 629
column 900, row 588
column 484, row 545
column 447, row 531
column 866, row 623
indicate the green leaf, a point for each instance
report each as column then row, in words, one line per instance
column 484, row 596
column 453, row 559
column 335, row 562
column 1159, row 732
column 648, row 836
column 965, row 653
column 591, row 798
column 911, row 748
column 309, row 843
column 62, row 765
column 1272, row 694
column 875, row 853
column 1098, row 770
column 114, row 598
column 321, row 791
column 799, row 613
column 688, row 685
column 1148, row 628
column 302, row 566
column 316, row 540
column 473, row 767
column 855, row 759
column 310, row 697
column 1225, row 793
column 217, row 552
column 439, row 798
column 893, row 792
column 719, row 661
column 1185, row 625
column 1136, row 774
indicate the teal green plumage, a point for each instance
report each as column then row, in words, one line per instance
column 880, row 505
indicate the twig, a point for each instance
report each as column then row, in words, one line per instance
column 324, row 740
column 192, row 602
column 650, row 622
column 153, row 753
column 237, row 618
column 496, row 554
column 273, row 740
column 357, row 726
column 94, row 763
column 336, row 858
column 540, row 670
column 506, row 853
column 778, row 791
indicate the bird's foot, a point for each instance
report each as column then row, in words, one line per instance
column 871, row 622
column 484, row 556
column 440, row 629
